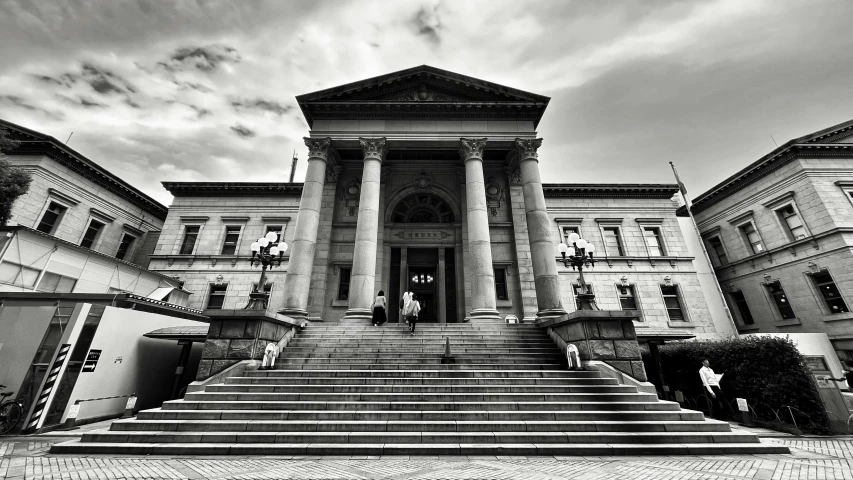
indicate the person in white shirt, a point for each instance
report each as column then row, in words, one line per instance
column 717, row 398
column 412, row 311
column 405, row 304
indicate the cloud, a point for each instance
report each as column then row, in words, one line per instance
column 262, row 105
column 427, row 23
column 242, row 131
column 204, row 58
column 21, row 103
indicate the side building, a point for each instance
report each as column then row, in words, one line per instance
column 780, row 235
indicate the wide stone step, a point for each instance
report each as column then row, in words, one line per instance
column 418, row 405
column 415, row 341
column 419, row 397
column 388, row 373
column 407, row 389
column 589, row 449
column 401, row 358
column 434, row 364
column 419, row 437
column 427, row 349
column 414, row 426
column 423, row 415
column 283, row 380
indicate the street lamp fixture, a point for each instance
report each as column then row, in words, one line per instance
column 579, row 255
column 266, row 253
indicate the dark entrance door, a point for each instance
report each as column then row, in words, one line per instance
column 423, row 264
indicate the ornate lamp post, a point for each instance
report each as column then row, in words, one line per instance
column 266, row 254
column 578, row 256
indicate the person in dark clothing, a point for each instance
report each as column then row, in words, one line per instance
column 412, row 312
column 717, row 399
column 380, row 308
column 847, row 376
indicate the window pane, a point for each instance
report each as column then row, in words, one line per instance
column 232, row 234
column 567, row 231
column 672, row 303
column 830, row 292
column 50, row 217
column 781, row 301
column 217, row 296
column 278, row 229
column 626, row 298
column 612, row 243
column 190, row 236
column 653, row 241
column 343, row 286
column 500, row 284
column 718, row 251
column 91, row 234
column 743, row 308
column 124, row 246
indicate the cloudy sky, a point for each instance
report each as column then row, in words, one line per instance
column 204, row 90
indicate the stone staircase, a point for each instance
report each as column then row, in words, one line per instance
column 344, row 389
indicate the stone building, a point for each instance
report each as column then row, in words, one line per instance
column 780, row 233
column 428, row 178
column 74, row 199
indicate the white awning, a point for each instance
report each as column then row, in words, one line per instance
column 160, row 293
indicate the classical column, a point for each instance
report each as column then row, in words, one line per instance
column 442, row 286
column 542, row 248
column 481, row 271
column 363, row 276
column 300, row 265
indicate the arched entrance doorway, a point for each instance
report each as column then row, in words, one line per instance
column 423, row 255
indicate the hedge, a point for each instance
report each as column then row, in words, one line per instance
column 769, row 372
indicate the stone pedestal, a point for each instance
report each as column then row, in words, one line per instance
column 481, row 269
column 602, row 335
column 236, row 335
column 301, row 262
column 539, row 230
column 363, row 278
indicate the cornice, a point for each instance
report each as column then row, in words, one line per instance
column 233, row 189
column 586, row 190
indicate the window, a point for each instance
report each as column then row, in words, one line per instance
column 792, row 222
column 750, row 234
column 781, row 300
column 569, row 230
column 51, row 218
column 653, row 241
column 829, row 292
column 500, row 284
column 627, row 299
column 577, row 288
column 190, row 237
column 91, row 234
column 612, row 242
column 718, row 253
column 742, row 307
column 672, row 302
column 232, row 236
column 279, row 230
column 217, row 296
column 343, row 283
column 52, row 282
column 125, row 245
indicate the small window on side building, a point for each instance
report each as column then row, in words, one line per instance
column 627, row 298
column 829, row 292
column 125, row 246
column 672, row 301
column 190, row 237
column 216, row 298
column 612, row 242
column 51, row 218
column 343, row 283
column 91, row 234
column 742, row 307
column 500, row 284
column 653, row 241
column 750, row 235
column 232, row 236
column 718, row 252
column 792, row 222
column 783, row 306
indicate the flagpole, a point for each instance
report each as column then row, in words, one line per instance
column 689, row 205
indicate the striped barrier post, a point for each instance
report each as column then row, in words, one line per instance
column 48, row 388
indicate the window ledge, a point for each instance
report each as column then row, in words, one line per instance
column 835, row 317
column 681, row 324
column 340, row 303
column 504, row 303
column 640, row 324
column 748, row 328
column 788, row 323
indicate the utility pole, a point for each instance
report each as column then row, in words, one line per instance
column 293, row 167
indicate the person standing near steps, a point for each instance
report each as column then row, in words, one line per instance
column 718, row 402
column 412, row 313
column 380, row 307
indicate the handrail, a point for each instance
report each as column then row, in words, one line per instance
column 81, row 400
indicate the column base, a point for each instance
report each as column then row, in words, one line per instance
column 484, row 314
column 296, row 313
column 551, row 313
column 358, row 314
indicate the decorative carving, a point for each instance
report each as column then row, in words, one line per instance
column 171, row 261
column 472, row 148
column 350, row 195
column 234, row 261
column 422, row 94
column 373, row 148
column 332, row 173
column 527, row 148
column 494, row 196
column 219, row 279
column 513, row 175
column 408, row 235
column 318, row 147
column 190, row 261
column 213, row 262
column 423, row 181
column 667, row 280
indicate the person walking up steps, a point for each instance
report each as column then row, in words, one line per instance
column 405, row 303
column 413, row 311
column 380, row 307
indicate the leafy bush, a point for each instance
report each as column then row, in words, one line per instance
column 769, row 372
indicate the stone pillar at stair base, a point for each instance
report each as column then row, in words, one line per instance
column 601, row 335
column 236, row 335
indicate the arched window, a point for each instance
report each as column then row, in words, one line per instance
column 422, row 208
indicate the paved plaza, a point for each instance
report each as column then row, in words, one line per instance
column 811, row 458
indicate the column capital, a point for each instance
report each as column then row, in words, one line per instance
column 318, row 147
column 373, row 148
column 472, row 148
column 526, row 149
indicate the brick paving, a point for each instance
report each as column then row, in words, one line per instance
column 812, row 459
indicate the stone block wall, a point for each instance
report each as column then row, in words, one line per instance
column 611, row 340
column 231, row 340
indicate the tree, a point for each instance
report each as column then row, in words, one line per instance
column 14, row 181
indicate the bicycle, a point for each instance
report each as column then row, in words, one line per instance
column 10, row 412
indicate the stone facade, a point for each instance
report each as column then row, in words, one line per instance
column 806, row 181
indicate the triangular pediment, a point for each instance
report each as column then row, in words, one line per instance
column 841, row 133
column 440, row 92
